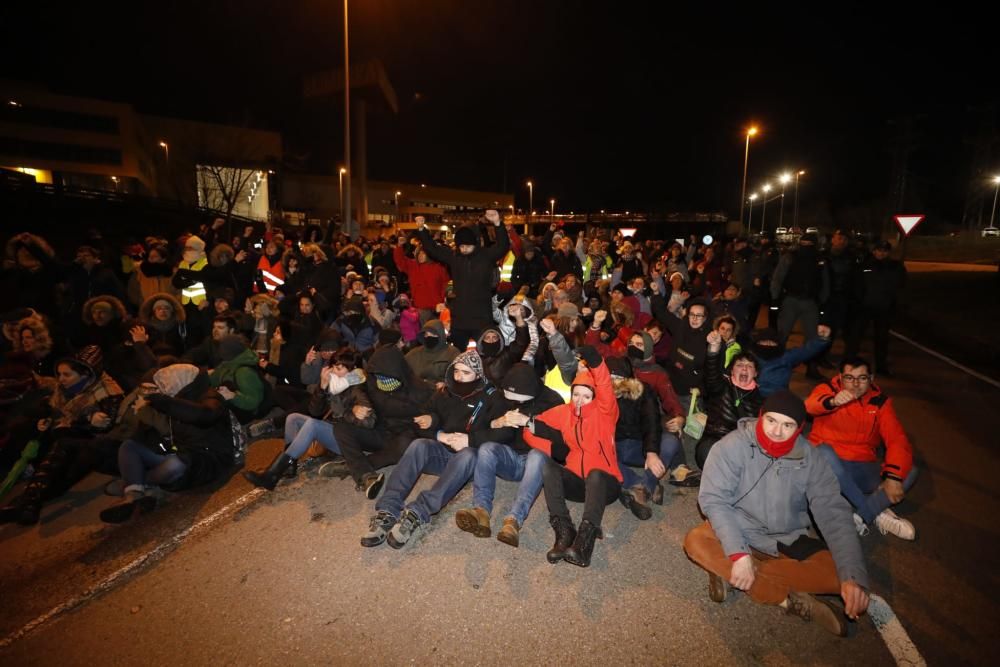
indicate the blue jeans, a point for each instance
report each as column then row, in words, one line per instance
column 497, row 460
column 859, row 483
column 454, row 469
column 141, row 465
column 630, row 454
column 301, row 430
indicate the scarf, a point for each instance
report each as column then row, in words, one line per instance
column 775, row 449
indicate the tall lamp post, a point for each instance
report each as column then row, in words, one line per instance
column 746, row 161
column 763, row 215
column 996, row 179
column 166, row 150
column 752, row 198
column 397, row 205
column 531, row 200
column 340, row 190
column 795, row 214
column 552, row 211
column 346, row 224
column 785, row 179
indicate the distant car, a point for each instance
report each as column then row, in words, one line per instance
column 781, row 230
column 812, row 230
column 991, row 232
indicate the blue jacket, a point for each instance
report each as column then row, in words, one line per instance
column 775, row 374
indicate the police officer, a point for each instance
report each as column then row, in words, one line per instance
column 802, row 281
column 877, row 283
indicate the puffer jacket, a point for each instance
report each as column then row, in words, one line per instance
column 857, row 429
column 431, row 364
column 638, row 414
column 726, row 403
column 403, row 395
column 753, row 500
column 581, row 441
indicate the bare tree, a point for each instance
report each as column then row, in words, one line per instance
column 222, row 187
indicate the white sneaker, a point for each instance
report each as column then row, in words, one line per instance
column 860, row 525
column 888, row 522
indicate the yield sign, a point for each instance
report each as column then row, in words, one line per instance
column 908, row 222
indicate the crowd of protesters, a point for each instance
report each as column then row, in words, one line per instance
column 596, row 368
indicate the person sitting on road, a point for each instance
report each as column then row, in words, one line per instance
column 468, row 404
column 762, row 487
column 498, row 352
column 515, row 461
column 583, row 466
column 239, row 380
column 775, row 363
column 207, row 354
column 344, row 400
column 432, row 357
column 852, row 419
column 728, row 328
column 356, row 326
column 729, row 397
column 200, row 447
column 640, row 439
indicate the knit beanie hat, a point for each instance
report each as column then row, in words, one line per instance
column 88, row 361
column 466, row 236
column 231, row 346
column 389, row 336
column 785, row 403
column 471, row 359
column 195, row 243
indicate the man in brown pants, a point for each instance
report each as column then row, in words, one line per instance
column 758, row 487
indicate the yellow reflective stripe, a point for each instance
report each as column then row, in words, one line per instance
column 507, row 268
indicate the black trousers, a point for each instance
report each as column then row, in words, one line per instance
column 596, row 492
column 880, row 321
column 367, row 449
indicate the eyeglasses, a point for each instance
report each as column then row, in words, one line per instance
column 856, row 378
column 696, row 316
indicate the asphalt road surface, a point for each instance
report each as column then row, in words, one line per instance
column 281, row 577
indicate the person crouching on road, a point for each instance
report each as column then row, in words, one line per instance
column 579, row 438
column 467, row 405
column 759, row 486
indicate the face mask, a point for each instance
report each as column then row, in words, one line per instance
column 490, row 349
column 636, row 353
column 430, row 341
column 465, row 389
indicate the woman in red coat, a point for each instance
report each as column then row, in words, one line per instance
column 579, row 438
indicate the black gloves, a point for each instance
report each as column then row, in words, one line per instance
column 590, row 356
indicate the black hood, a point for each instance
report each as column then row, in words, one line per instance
column 389, row 360
column 521, row 379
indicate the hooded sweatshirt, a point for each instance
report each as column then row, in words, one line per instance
column 466, row 407
column 397, row 394
column 523, row 391
column 431, row 363
column 241, row 375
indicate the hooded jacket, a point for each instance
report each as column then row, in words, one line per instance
column 857, row 429
column 397, row 394
column 581, row 441
column 497, row 365
column 241, row 374
column 522, row 382
column 148, row 279
column 100, row 393
column 753, row 500
column 168, row 337
column 639, row 414
column 31, row 288
column 431, row 364
column 687, row 357
column 472, row 275
column 509, row 334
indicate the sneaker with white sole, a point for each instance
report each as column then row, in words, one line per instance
column 888, row 522
column 404, row 529
column 860, row 525
column 378, row 529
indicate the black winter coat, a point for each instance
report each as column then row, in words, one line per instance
column 521, row 379
column 638, row 414
column 395, row 410
column 726, row 403
column 496, row 367
column 200, row 428
column 687, row 355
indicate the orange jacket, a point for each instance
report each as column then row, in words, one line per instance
column 856, row 430
column 585, row 441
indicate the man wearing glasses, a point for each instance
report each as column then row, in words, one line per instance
column 852, row 418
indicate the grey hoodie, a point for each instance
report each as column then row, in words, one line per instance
column 753, row 500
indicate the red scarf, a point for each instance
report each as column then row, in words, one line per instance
column 773, row 448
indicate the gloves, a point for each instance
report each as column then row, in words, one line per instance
column 559, row 452
column 590, row 356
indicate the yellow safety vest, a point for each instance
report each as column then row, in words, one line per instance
column 554, row 381
column 194, row 293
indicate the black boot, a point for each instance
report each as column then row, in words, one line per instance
column 269, row 478
column 565, row 534
column 583, row 546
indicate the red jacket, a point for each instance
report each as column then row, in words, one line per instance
column 428, row 281
column 585, row 441
column 856, row 430
column 656, row 377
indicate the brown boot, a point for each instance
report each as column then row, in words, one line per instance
column 510, row 533
column 475, row 521
column 819, row 611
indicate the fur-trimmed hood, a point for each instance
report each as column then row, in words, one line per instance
column 146, row 309
column 10, row 250
column 116, row 305
column 629, row 388
column 38, row 327
column 348, row 248
column 215, row 257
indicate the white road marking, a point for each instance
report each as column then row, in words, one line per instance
column 114, row 578
column 903, row 650
column 947, row 360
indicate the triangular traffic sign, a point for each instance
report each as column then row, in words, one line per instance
column 908, row 222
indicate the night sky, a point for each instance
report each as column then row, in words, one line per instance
column 603, row 105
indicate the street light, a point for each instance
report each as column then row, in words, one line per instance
column 340, row 190
column 996, row 179
column 795, row 214
column 552, row 210
column 746, row 160
column 531, row 200
column 397, row 204
column 166, row 150
column 784, row 178
column 752, row 198
column 763, row 215
column 345, row 200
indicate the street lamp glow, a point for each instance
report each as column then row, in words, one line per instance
column 753, row 196
column 752, row 132
column 766, row 188
column 398, row 193
column 785, row 178
column 746, row 162
column 996, row 179
column 802, row 173
column 342, row 171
